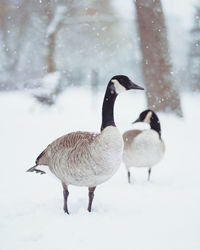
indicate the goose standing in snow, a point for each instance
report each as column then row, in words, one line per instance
column 143, row 148
column 88, row 159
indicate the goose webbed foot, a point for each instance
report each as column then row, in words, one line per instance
column 91, row 197
column 34, row 169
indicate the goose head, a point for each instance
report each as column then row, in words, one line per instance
column 147, row 116
column 121, row 83
column 116, row 85
column 150, row 117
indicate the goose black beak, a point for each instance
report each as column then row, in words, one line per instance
column 138, row 120
column 135, row 86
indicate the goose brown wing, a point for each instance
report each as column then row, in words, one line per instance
column 129, row 137
column 69, row 141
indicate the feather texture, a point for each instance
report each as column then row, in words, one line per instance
column 142, row 148
column 83, row 158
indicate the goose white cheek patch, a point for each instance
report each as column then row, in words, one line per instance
column 148, row 117
column 118, row 87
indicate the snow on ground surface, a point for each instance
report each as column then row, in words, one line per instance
column 160, row 215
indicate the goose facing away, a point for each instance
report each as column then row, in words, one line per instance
column 88, row 159
column 143, row 148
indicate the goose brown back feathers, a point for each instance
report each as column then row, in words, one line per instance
column 69, row 141
column 129, row 136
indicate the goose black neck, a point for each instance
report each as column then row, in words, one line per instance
column 108, row 108
column 155, row 125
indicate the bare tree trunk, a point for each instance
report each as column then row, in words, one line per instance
column 157, row 69
column 13, row 38
column 55, row 22
column 51, row 67
column 194, row 55
column 94, row 81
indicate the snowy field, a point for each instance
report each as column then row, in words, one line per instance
column 163, row 214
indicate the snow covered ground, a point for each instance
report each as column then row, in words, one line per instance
column 162, row 214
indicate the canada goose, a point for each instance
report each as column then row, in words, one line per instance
column 88, row 159
column 143, row 148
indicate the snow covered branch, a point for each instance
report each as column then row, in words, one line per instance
column 57, row 19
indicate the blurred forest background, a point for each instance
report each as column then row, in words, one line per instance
column 47, row 46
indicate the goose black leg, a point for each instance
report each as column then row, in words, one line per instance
column 65, row 195
column 91, row 197
column 129, row 177
column 149, row 173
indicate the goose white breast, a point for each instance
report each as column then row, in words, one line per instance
column 145, row 150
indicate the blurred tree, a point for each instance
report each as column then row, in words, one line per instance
column 94, row 81
column 97, row 41
column 95, row 21
column 55, row 21
column 53, row 13
column 86, row 41
column 194, row 55
column 157, row 69
column 14, row 20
